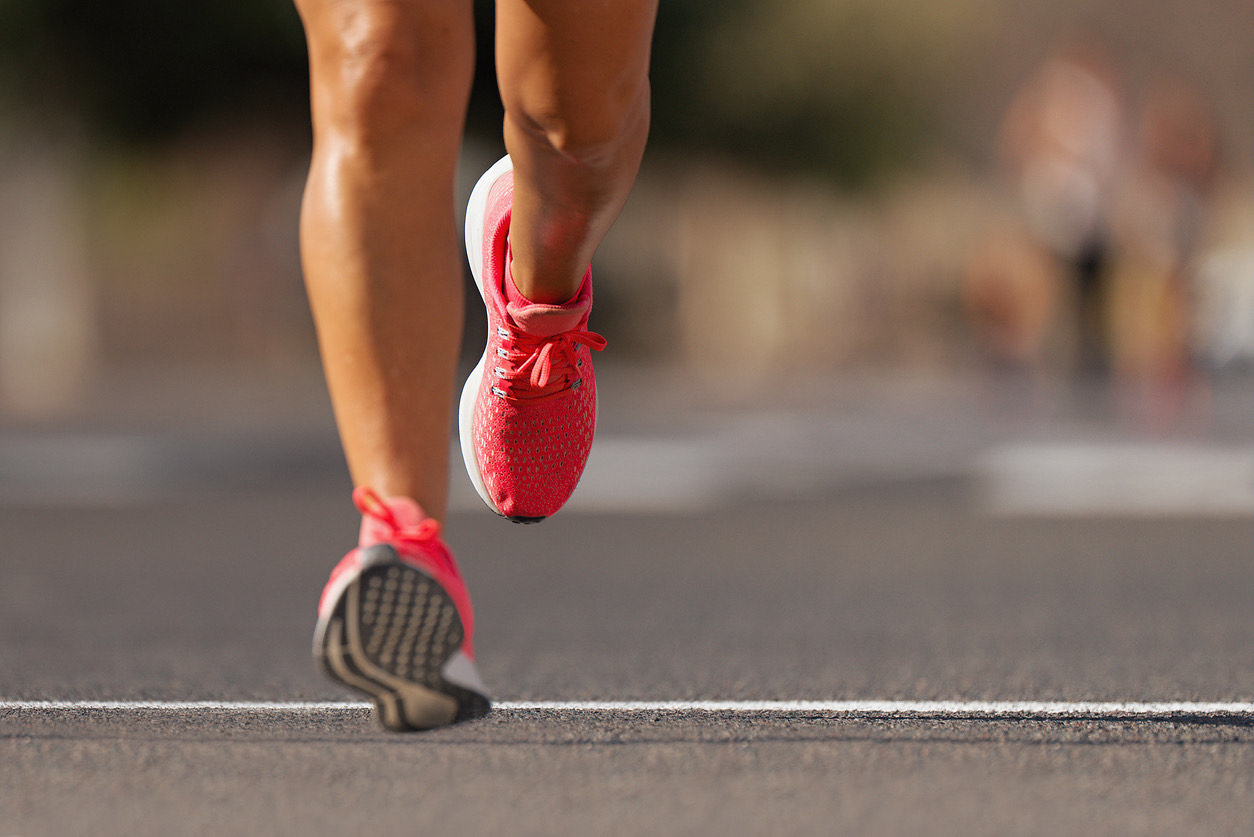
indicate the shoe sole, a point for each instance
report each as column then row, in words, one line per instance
column 476, row 209
column 391, row 635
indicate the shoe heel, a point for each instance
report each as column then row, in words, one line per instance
column 390, row 636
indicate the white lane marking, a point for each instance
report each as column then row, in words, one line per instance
column 903, row 708
column 182, row 705
column 1118, row 478
column 850, row 708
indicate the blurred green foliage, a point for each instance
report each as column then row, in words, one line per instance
column 841, row 88
column 141, row 70
column 845, row 88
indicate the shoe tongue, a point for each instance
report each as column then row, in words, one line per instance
column 543, row 320
column 408, row 515
column 547, row 320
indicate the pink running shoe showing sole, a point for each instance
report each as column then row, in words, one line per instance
column 528, row 411
column 395, row 622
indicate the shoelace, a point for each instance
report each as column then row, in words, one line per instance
column 541, row 368
column 422, row 536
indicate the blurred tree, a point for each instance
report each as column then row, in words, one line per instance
column 843, row 88
column 839, row 87
column 142, row 69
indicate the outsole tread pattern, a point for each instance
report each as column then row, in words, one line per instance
column 389, row 636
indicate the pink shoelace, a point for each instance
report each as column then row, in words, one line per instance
column 541, row 368
column 421, row 537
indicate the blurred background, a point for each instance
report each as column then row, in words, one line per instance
column 1032, row 193
column 930, row 376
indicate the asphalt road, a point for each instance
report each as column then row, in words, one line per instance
column 847, row 544
column 905, row 590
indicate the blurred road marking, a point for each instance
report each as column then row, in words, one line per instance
column 660, row 475
column 1118, row 478
column 935, row 709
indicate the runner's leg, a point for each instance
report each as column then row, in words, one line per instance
column 379, row 244
column 574, row 81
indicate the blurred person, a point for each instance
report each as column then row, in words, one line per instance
column 390, row 84
column 1160, row 218
column 1062, row 139
column 1010, row 296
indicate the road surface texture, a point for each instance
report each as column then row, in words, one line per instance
column 880, row 567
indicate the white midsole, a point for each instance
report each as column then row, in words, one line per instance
column 476, row 208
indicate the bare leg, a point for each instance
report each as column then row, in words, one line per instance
column 390, row 82
column 574, row 81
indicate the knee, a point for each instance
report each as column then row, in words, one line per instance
column 379, row 68
column 593, row 131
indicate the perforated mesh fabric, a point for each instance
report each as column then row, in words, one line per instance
column 531, row 457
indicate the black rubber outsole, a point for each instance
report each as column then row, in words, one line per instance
column 389, row 636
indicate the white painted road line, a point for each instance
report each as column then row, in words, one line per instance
column 900, row 709
column 903, row 708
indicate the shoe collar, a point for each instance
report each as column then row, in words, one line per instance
column 541, row 320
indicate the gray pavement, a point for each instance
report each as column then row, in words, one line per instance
column 866, row 571
column 515, row 775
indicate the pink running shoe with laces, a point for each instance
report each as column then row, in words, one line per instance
column 528, row 410
column 395, row 620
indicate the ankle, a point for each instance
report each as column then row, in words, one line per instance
column 525, row 287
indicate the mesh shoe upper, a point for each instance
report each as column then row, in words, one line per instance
column 534, row 412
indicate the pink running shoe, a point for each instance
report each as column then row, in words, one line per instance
column 395, row 621
column 528, row 411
